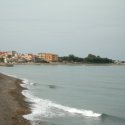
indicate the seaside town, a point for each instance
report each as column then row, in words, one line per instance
column 12, row 57
column 9, row 58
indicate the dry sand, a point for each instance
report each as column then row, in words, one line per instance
column 12, row 104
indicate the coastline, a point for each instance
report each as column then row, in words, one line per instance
column 58, row 63
column 12, row 103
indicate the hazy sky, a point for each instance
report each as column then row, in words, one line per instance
column 64, row 27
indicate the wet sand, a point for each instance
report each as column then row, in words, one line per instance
column 12, row 104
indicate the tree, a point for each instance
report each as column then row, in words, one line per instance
column 71, row 59
column 91, row 56
column 96, row 59
column 2, row 60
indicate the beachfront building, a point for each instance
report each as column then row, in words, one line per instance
column 9, row 54
column 49, row 57
column 3, row 54
column 26, row 57
column 3, row 57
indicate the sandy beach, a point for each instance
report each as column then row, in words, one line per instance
column 12, row 104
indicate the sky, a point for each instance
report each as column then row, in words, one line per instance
column 64, row 27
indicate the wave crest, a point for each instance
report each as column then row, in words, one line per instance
column 46, row 108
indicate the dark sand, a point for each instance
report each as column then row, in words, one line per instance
column 12, row 104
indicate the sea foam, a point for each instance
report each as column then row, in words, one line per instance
column 42, row 108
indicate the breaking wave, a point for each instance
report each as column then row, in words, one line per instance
column 43, row 108
column 46, row 108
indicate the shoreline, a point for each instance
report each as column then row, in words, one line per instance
column 69, row 64
column 12, row 103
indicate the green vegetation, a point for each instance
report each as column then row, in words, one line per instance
column 2, row 60
column 89, row 59
column 39, row 60
column 71, row 58
column 97, row 59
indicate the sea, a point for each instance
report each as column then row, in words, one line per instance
column 73, row 94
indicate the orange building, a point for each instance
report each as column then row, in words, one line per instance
column 50, row 57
